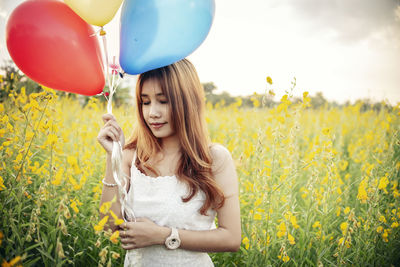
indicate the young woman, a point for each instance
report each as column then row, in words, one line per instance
column 177, row 179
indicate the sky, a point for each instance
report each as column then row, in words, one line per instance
column 346, row 49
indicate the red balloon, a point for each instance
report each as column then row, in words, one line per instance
column 52, row 45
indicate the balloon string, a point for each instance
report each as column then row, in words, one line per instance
column 113, row 77
column 103, row 35
column 116, row 155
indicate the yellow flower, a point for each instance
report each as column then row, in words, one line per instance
column 394, row 225
column 101, row 224
column 326, row 131
column 281, row 119
column 114, row 237
column 338, row 211
column 291, row 239
column 383, row 182
column 339, row 191
column 12, row 262
column 316, row 224
column 343, row 227
column 51, row 139
column 115, row 255
column 105, row 207
column 73, row 182
column 293, row 220
column 379, row 229
column 27, row 195
column 117, row 221
column 246, row 242
column 2, row 186
column 73, row 162
column 58, row 177
column 285, row 100
column 256, row 102
column 346, row 210
column 385, row 235
column 284, row 257
column 4, row 120
column 10, row 128
column 74, row 205
column 257, row 217
column 362, row 193
column 343, row 165
column 258, row 202
column 281, row 229
column 382, row 219
column 269, row 80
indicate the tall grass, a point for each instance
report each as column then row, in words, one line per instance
column 317, row 187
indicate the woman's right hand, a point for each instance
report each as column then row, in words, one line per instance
column 110, row 132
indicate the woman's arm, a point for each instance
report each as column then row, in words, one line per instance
column 109, row 193
column 227, row 237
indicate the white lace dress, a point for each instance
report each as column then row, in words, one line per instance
column 160, row 200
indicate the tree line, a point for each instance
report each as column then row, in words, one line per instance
column 12, row 81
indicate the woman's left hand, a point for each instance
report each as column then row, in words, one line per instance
column 142, row 233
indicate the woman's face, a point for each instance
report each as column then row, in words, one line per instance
column 156, row 110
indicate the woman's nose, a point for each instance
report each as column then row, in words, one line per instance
column 154, row 111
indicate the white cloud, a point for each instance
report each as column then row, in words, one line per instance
column 397, row 13
column 350, row 20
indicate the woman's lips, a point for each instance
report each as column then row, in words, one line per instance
column 157, row 125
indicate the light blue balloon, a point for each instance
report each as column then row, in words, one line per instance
column 156, row 33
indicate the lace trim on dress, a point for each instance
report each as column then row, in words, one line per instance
column 135, row 168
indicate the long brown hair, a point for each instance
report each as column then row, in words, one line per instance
column 180, row 84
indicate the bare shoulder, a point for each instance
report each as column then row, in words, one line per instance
column 224, row 171
column 220, row 157
column 127, row 157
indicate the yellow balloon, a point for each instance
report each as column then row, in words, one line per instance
column 95, row 12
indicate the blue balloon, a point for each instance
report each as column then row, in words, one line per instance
column 156, row 33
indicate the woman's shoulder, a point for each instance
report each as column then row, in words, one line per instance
column 127, row 155
column 217, row 150
column 220, row 156
column 224, row 171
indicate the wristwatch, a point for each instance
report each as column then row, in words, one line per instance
column 173, row 241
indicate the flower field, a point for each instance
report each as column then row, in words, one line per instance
column 318, row 187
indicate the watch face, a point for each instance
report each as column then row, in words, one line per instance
column 173, row 243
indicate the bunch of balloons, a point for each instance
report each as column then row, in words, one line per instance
column 53, row 43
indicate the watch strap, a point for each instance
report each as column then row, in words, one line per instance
column 173, row 241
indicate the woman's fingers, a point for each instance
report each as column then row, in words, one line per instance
column 128, row 246
column 113, row 124
column 112, row 136
column 114, row 133
column 113, row 130
column 107, row 117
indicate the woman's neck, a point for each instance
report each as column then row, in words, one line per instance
column 170, row 145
